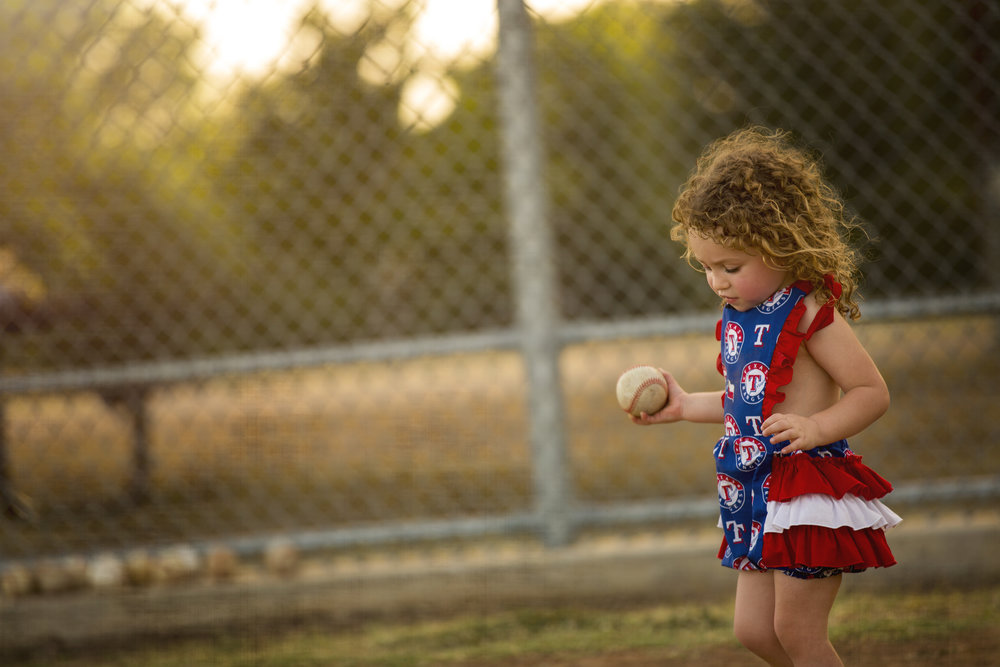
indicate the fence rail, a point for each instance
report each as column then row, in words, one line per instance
column 167, row 372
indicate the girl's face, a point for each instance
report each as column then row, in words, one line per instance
column 741, row 279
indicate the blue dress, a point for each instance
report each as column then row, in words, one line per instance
column 808, row 514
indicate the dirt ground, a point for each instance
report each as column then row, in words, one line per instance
column 973, row 650
column 961, row 649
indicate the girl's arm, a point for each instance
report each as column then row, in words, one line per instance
column 705, row 407
column 865, row 396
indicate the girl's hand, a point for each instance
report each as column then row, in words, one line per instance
column 671, row 412
column 803, row 433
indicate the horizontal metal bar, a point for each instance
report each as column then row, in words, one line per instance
column 391, row 533
column 947, row 490
column 595, row 515
column 944, row 490
column 874, row 311
column 618, row 514
column 647, row 512
column 166, row 372
column 402, row 532
column 936, row 306
column 646, row 327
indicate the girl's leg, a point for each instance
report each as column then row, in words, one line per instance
column 753, row 619
column 801, row 616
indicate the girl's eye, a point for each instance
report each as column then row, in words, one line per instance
column 734, row 269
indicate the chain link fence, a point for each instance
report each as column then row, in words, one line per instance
column 328, row 271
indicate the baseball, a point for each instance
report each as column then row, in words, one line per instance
column 641, row 389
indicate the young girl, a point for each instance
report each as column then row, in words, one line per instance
column 797, row 506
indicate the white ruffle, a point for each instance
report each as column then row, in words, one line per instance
column 819, row 509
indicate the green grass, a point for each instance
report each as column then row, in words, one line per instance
column 862, row 624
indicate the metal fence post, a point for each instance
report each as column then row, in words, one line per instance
column 533, row 273
column 12, row 504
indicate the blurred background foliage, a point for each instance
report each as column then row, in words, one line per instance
column 148, row 213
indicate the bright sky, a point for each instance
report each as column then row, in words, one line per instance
column 252, row 37
column 249, row 35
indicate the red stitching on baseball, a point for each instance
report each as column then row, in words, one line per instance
column 642, row 385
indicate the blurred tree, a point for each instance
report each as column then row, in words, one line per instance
column 619, row 144
column 102, row 194
column 313, row 182
column 364, row 228
column 298, row 209
column 889, row 92
column 892, row 94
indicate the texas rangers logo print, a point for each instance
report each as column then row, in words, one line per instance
column 744, row 564
column 754, row 534
column 775, row 301
column 752, row 382
column 730, row 425
column 750, row 453
column 732, row 494
column 732, row 342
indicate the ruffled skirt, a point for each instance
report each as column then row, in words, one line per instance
column 815, row 530
column 826, row 512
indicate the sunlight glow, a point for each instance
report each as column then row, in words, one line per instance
column 253, row 38
column 240, row 36
column 462, row 31
column 560, row 10
column 427, row 100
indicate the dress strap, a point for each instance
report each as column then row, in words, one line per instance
column 826, row 312
column 790, row 340
column 719, row 366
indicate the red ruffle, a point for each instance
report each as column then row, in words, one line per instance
column 719, row 366
column 722, row 548
column 790, row 340
column 786, row 349
column 816, row 546
column 825, row 314
column 799, row 474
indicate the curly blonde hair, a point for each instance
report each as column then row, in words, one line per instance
column 755, row 192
